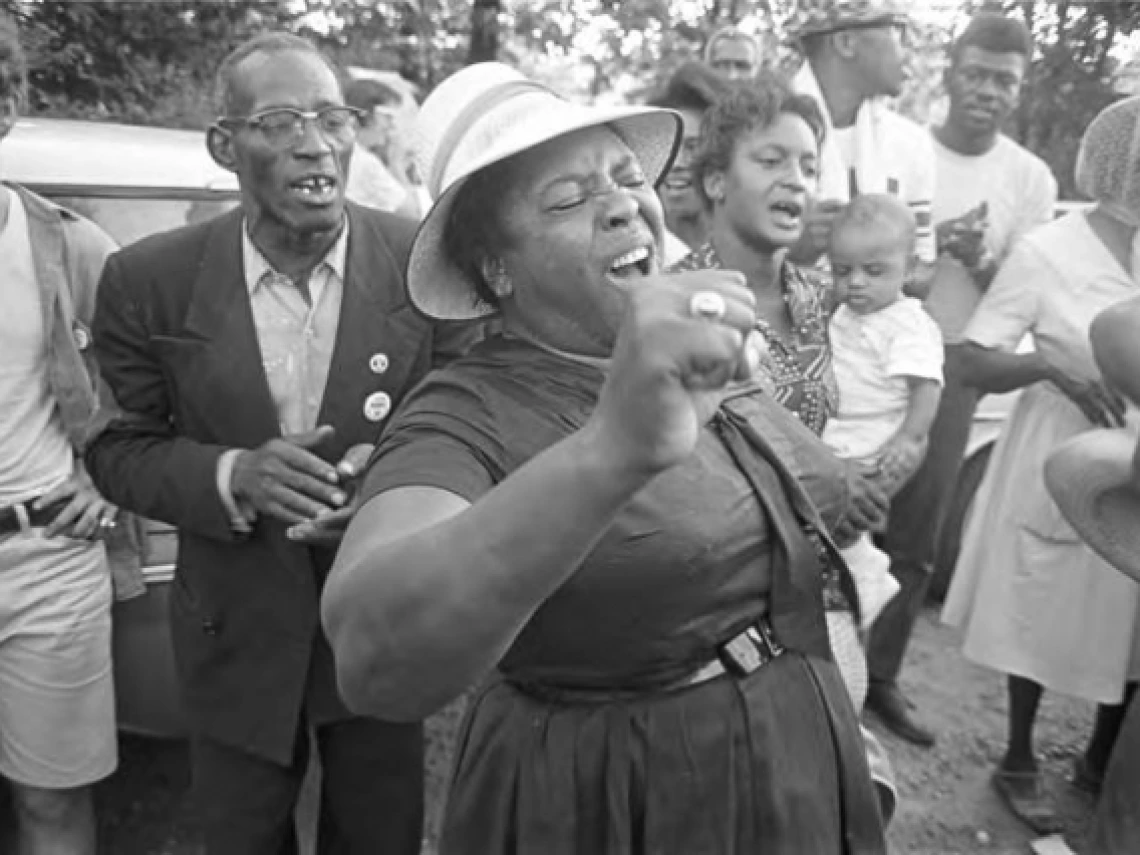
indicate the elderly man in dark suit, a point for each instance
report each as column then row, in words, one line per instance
column 254, row 358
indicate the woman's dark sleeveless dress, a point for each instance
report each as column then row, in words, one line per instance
column 582, row 743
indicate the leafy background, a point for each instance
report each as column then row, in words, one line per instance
column 152, row 62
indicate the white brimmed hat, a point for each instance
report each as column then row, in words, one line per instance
column 1091, row 478
column 482, row 115
column 1094, row 478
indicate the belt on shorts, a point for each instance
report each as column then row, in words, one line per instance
column 31, row 517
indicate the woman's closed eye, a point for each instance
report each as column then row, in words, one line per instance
column 571, row 196
column 568, row 203
column 769, row 161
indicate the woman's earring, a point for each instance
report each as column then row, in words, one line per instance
column 499, row 279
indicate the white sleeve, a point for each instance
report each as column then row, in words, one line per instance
column 1039, row 204
column 915, row 346
column 1010, row 306
column 240, row 520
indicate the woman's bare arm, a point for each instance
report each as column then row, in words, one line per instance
column 428, row 592
column 993, row 370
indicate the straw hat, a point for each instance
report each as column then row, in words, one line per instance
column 1094, row 478
column 816, row 17
column 482, row 115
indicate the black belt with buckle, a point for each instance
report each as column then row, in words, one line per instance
column 750, row 650
column 36, row 517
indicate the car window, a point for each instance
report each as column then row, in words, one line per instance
column 129, row 219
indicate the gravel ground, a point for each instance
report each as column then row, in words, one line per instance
column 946, row 804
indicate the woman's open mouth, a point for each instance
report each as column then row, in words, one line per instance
column 678, row 180
column 787, row 214
column 637, row 262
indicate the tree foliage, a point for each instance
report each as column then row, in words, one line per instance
column 153, row 62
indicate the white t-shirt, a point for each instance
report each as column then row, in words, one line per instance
column 1021, row 194
column 873, row 355
column 35, row 452
column 904, row 164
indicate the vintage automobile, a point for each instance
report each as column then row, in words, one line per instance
column 132, row 181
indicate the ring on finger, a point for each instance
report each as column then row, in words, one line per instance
column 106, row 523
column 707, row 305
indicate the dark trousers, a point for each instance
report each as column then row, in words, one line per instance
column 916, row 514
column 1116, row 826
column 371, row 799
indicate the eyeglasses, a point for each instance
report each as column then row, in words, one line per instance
column 284, row 128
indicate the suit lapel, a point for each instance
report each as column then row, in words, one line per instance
column 369, row 324
column 220, row 313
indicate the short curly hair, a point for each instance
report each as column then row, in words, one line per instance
column 881, row 211
column 745, row 109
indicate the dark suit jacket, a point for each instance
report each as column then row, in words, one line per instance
column 175, row 340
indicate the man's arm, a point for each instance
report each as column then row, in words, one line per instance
column 135, row 457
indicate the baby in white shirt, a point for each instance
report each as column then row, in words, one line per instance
column 887, row 355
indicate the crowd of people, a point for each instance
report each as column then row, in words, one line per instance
column 642, row 431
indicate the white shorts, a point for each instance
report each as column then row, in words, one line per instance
column 57, row 693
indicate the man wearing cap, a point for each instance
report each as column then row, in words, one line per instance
column 255, row 358
column 989, row 192
column 854, row 57
column 733, row 54
column 57, row 716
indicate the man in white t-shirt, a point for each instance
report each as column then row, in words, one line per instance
column 855, row 54
column 990, row 191
column 57, row 701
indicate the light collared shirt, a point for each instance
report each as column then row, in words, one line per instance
column 296, row 339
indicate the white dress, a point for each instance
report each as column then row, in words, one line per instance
column 1032, row 599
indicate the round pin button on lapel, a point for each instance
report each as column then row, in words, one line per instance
column 378, row 363
column 377, row 406
column 82, row 337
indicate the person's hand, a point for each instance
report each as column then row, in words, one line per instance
column 898, row 461
column 963, row 237
column 327, row 528
column 818, row 220
column 1100, row 405
column 286, row 480
column 867, row 504
column 670, row 367
column 86, row 516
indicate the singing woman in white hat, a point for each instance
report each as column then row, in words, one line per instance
column 1035, row 603
column 595, row 516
